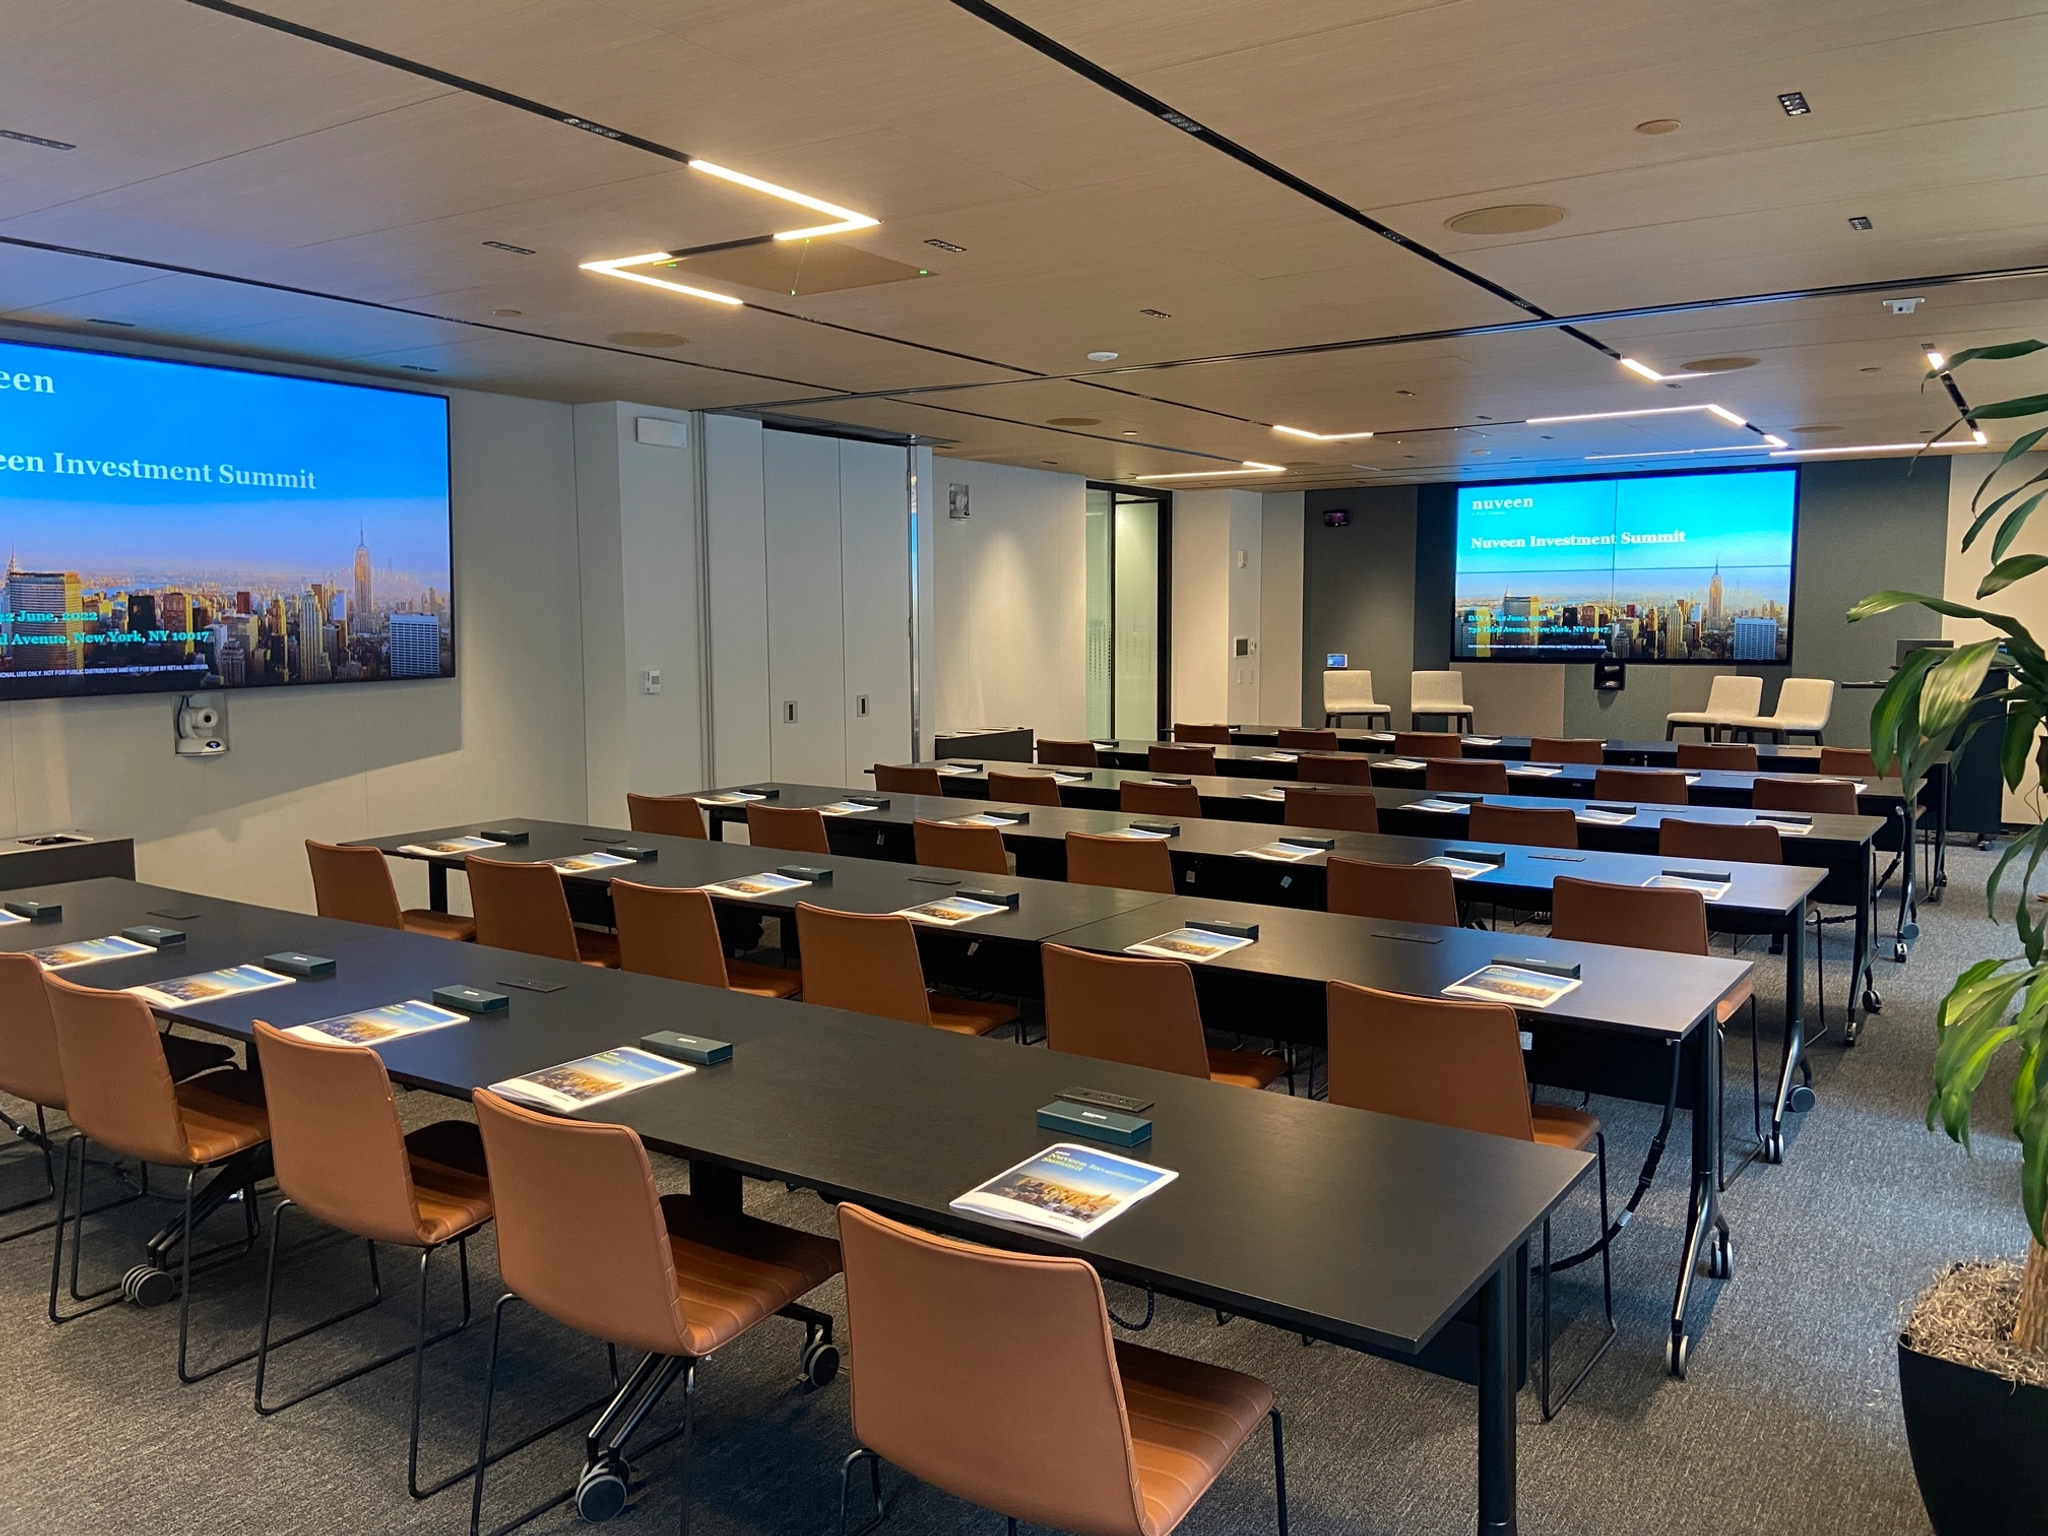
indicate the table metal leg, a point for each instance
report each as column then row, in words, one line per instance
column 1939, row 877
column 1497, row 1336
column 1797, row 1099
column 715, row 1184
column 1706, row 1229
column 437, row 886
column 1909, row 899
column 1863, row 957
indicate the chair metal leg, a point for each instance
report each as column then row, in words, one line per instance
column 1552, row 1409
column 1279, row 1470
column 264, row 1343
column 185, row 1373
column 107, row 1295
column 689, row 1439
column 846, row 1467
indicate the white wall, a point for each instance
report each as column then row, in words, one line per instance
column 736, row 519
column 1280, row 588
column 1218, row 560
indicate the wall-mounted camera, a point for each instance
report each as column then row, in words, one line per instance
column 202, row 727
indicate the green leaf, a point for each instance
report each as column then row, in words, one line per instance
column 2009, row 530
column 2017, row 750
column 2005, row 410
column 1888, row 713
column 1951, row 689
column 2032, row 1126
column 2003, row 352
column 2020, row 445
column 2018, row 568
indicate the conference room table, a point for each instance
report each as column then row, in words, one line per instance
column 1386, row 1235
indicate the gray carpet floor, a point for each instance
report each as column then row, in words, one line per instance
column 1788, row 1423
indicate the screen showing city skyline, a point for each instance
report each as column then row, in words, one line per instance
column 1666, row 568
column 173, row 526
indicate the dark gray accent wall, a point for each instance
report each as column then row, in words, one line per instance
column 1436, row 575
column 1358, row 592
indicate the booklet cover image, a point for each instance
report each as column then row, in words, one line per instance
column 372, row 1026
column 1068, row 1188
column 210, row 986
column 593, row 1079
column 62, row 957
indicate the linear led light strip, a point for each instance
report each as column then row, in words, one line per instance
column 1537, row 421
column 1976, row 440
column 1251, row 467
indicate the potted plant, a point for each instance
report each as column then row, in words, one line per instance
column 1973, row 1357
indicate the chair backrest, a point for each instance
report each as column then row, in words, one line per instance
column 947, row 847
column 522, row 907
column 1394, row 893
column 1853, row 762
column 1124, row 1008
column 1341, row 810
column 1295, row 738
column 1739, row 843
column 1736, row 757
column 908, row 779
column 1202, row 735
column 1348, row 691
column 666, row 815
column 1642, row 786
column 1481, row 774
column 862, row 962
column 1164, row 758
column 1429, row 1058
column 1127, row 863
column 1428, row 744
column 1567, row 749
column 353, row 885
column 1068, row 754
column 1804, row 703
column 1526, row 825
column 1435, row 690
column 335, row 1137
column 1139, row 798
column 668, row 931
column 990, row 1375
column 1636, row 916
column 1735, row 695
column 792, row 828
column 581, row 1234
column 1803, row 792
column 1024, row 788
column 29, row 1068
column 117, row 1086
column 1333, row 768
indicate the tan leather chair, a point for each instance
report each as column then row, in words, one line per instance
column 584, row 1238
column 1393, row 893
column 1202, row 735
column 979, row 849
column 1428, row 744
column 1125, row 863
column 666, row 815
column 1848, row 762
column 1640, row 786
column 908, row 779
column 994, row 1376
column 1295, row 738
column 868, row 963
column 1024, row 788
column 1353, row 768
column 1526, row 826
column 1142, row 1012
column 1755, row 843
column 791, row 828
column 1340, row 810
column 1068, row 754
column 1460, row 1064
column 1472, row 775
column 119, row 1094
column 354, row 885
column 524, row 907
column 1804, row 792
column 1162, row 758
column 1137, row 797
column 672, row 931
column 343, row 1158
column 1567, row 749
column 1727, row 756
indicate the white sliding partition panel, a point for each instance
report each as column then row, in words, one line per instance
column 806, row 634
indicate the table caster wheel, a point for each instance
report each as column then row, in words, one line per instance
column 601, row 1490
column 147, row 1286
column 1800, row 1099
column 819, row 1363
column 1721, row 1257
column 1872, row 1003
column 1774, row 1147
column 1899, row 951
column 1676, row 1349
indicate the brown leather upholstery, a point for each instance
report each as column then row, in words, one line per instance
column 792, row 828
column 1481, row 775
column 908, row 779
column 524, row 907
column 1139, row 1011
column 1757, row 843
column 342, row 1156
column 1804, row 792
column 1395, row 893
column 1730, row 756
column 1294, row 738
column 1353, row 768
column 583, row 1237
column 1202, row 735
column 1024, row 788
column 118, row 1090
column 994, row 1376
column 355, row 886
column 868, row 963
column 1162, row 758
column 1340, row 810
column 1068, row 754
column 1640, row 786
column 1848, row 762
column 1526, row 825
column 666, row 815
column 1128, row 863
column 974, row 848
column 1428, row 744
column 29, row 1068
column 1139, row 797
column 672, row 931
column 1638, row 917
column 1567, row 749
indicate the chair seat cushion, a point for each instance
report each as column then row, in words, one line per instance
column 187, row 1057
column 1245, row 1069
column 1700, row 717
column 1572, row 1129
column 732, row 1270
column 763, row 980
column 441, row 925
column 1726, row 1009
column 449, row 1182
column 596, row 947
column 966, row 1016
column 1187, row 1420
column 223, row 1114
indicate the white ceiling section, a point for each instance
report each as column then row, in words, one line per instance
column 278, row 196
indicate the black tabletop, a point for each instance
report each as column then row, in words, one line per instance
column 1853, row 831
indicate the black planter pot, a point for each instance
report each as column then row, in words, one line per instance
column 1980, row 1447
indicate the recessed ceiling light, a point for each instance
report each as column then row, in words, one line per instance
column 504, row 245
column 1794, row 103
column 1860, row 221
column 1719, row 364
column 1073, row 421
column 1659, row 125
column 947, row 245
column 508, row 313
column 1935, row 360
column 1101, row 357
column 126, row 325
column 646, row 339
column 1156, row 314
column 29, row 138
column 1506, row 219
column 1130, row 431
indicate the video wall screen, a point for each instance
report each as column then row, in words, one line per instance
column 1656, row 568
column 172, row 527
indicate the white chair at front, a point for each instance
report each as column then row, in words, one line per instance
column 1438, row 693
column 1804, row 704
column 1349, row 692
column 1731, row 699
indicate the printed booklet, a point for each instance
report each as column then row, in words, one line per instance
column 11, row 917
column 1405, row 764
column 450, row 846
column 1512, row 985
column 983, row 819
column 1072, row 778
column 584, row 863
column 1535, row 771
column 1442, row 807
column 1713, row 890
column 1785, row 828
column 1196, row 944
column 1138, row 832
column 731, row 797
column 1066, row 1188
column 768, row 883
column 844, row 808
column 373, row 1026
column 1283, row 852
column 951, row 912
column 1276, row 757
column 1461, row 869
column 210, row 986
column 62, row 957
column 1600, row 818
column 593, row 1080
